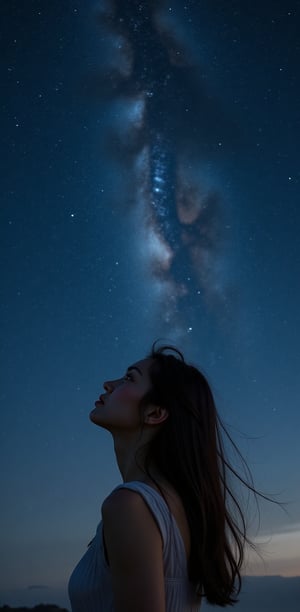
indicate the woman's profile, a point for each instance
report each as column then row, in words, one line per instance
column 173, row 532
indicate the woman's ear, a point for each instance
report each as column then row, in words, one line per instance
column 155, row 415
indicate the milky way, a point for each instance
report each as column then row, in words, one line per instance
column 163, row 124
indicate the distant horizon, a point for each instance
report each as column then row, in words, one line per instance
column 283, row 588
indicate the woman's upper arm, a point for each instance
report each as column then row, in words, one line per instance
column 134, row 548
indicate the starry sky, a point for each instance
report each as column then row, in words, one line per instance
column 150, row 189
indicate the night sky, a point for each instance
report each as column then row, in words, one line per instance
column 150, row 189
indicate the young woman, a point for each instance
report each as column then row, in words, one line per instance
column 170, row 533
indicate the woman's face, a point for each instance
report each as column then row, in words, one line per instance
column 118, row 408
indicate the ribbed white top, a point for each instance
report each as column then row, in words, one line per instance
column 90, row 588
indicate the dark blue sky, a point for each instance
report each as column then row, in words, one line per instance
column 137, row 207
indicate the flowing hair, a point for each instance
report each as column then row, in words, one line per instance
column 188, row 451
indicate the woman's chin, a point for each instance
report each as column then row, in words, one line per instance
column 94, row 416
column 97, row 418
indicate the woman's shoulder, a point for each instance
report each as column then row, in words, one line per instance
column 129, row 496
column 125, row 506
column 130, row 530
column 121, row 497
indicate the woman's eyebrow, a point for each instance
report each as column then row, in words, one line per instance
column 134, row 368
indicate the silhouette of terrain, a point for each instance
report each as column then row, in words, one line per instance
column 39, row 608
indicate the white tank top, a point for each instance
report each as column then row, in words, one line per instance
column 90, row 587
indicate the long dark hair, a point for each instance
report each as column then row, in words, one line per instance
column 188, row 451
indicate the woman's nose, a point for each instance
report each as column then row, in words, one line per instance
column 108, row 386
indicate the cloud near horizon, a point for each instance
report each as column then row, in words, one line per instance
column 32, row 587
column 280, row 553
column 266, row 593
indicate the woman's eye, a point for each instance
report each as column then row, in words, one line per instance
column 128, row 377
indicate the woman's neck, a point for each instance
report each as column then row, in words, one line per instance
column 130, row 455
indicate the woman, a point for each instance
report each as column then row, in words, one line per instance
column 167, row 536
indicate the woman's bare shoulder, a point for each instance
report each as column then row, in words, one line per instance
column 130, row 530
column 127, row 499
column 126, row 509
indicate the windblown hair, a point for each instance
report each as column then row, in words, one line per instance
column 188, row 452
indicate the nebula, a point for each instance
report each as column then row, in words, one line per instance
column 163, row 123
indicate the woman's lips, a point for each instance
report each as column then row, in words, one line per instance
column 99, row 401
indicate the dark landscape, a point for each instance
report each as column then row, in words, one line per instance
column 39, row 608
